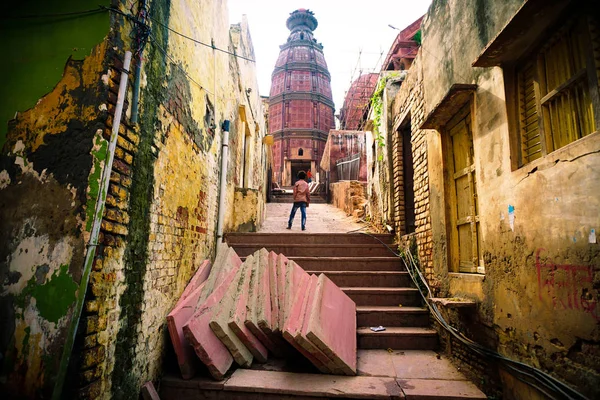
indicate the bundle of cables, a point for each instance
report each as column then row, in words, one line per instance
column 536, row 378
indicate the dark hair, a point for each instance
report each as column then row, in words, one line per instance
column 301, row 175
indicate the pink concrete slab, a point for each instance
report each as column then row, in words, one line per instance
column 242, row 354
column 176, row 319
column 313, row 385
column 293, row 325
column 294, row 275
column 199, row 277
column 180, row 315
column 300, row 338
column 211, row 351
column 262, row 296
column 273, row 286
column 258, row 314
column 236, row 320
column 282, row 263
column 425, row 389
column 225, row 261
column 332, row 325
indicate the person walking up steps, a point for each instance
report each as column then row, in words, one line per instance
column 301, row 200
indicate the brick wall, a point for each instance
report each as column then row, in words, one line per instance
column 162, row 207
column 408, row 107
column 94, row 350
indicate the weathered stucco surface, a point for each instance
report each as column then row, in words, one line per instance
column 538, row 296
column 161, row 207
column 50, row 163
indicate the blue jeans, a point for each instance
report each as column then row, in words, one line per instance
column 302, row 206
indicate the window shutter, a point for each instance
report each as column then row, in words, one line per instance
column 531, row 146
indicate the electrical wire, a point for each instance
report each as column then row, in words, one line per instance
column 212, row 46
column 166, row 53
column 548, row 381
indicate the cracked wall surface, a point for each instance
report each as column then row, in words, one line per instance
column 538, row 295
column 161, row 207
column 52, row 153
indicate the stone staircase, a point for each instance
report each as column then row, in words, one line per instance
column 368, row 272
column 398, row 363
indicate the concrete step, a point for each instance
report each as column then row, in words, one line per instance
column 310, row 238
column 315, row 250
column 368, row 278
column 383, row 296
column 417, row 374
column 398, row 338
column 392, row 316
column 349, row 263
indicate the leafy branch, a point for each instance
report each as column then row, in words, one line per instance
column 377, row 107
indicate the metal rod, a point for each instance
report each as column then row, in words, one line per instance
column 92, row 243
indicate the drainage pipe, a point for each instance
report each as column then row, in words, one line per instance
column 223, row 185
column 93, row 241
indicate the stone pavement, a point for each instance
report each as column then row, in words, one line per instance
column 382, row 374
column 320, row 218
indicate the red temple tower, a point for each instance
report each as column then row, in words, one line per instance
column 300, row 103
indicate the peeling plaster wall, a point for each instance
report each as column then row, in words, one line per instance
column 161, row 207
column 50, row 167
column 172, row 202
column 538, row 301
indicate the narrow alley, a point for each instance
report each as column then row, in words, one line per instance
column 446, row 152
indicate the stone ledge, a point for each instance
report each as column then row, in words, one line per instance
column 453, row 302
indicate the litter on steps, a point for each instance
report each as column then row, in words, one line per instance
column 259, row 308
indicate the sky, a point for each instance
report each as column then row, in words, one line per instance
column 353, row 34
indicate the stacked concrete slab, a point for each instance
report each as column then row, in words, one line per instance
column 245, row 311
column 183, row 311
column 211, row 351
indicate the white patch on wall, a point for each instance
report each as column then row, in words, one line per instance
column 33, row 252
column 4, row 179
column 592, row 236
column 106, row 78
column 25, row 165
column 511, row 217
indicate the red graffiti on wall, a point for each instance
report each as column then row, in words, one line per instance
column 569, row 286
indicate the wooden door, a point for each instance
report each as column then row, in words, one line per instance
column 461, row 186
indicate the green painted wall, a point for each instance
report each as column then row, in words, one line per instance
column 35, row 49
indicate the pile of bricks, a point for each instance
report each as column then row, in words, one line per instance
column 244, row 311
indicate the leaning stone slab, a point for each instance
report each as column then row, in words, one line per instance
column 259, row 304
column 198, row 279
column 282, row 263
column 180, row 315
column 225, row 261
column 332, row 325
column 293, row 275
column 211, row 351
column 273, row 288
column 246, row 346
column 293, row 326
column 301, row 338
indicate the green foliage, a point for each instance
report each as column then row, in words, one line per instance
column 417, row 37
column 377, row 106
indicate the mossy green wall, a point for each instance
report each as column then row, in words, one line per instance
column 35, row 49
